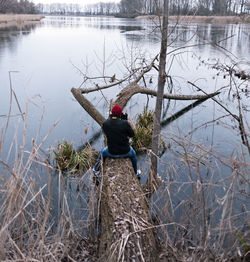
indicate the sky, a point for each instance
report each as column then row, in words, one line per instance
column 81, row 2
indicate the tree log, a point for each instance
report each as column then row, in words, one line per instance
column 88, row 106
column 126, row 232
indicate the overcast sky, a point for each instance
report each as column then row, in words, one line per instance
column 81, row 2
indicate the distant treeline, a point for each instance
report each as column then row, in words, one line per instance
column 108, row 8
column 131, row 7
column 186, row 7
column 17, row 7
column 152, row 7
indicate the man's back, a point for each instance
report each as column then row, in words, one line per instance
column 118, row 132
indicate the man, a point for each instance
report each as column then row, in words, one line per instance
column 117, row 130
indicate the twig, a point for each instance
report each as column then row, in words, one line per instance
column 205, row 124
column 98, row 88
column 215, row 100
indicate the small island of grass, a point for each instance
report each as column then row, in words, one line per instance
column 7, row 20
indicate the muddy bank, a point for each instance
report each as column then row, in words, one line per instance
column 204, row 19
column 7, row 20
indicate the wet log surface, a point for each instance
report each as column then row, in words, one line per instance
column 126, row 232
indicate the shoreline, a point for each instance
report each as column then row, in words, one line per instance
column 203, row 19
column 7, row 20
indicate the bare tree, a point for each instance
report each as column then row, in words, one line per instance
column 131, row 7
column 204, row 7
column 102, row 8
column 152, row 181
column 18, row 7
column 184, row 7
column 242, row 5
column 3, row 5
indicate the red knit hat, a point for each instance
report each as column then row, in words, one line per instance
column 117, row 110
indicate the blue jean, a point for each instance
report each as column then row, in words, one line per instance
column 105, row 153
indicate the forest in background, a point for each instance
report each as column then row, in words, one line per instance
column 17, row 7
column 130, row 8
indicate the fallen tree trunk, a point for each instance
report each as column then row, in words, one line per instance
column 126, row 232
column 88, row 106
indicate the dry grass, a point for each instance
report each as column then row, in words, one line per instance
column 206, row 19
column 30, row 228
column 210, row 208
column 7, row 20
column 200, row 212
column 37, row 221
column 195, row 211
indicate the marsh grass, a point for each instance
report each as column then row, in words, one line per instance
column 70, row 161
column 197, row 212
column 143, row 131
column 6, row 18
column 201, row 213
column 142, row 141
column 37, row 220
column 11, row 20
column 204, row 211
column 205, row 19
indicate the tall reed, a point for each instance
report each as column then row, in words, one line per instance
column 31, row 227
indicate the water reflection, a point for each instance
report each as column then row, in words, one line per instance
column 232, row 37
column 138, row 38
column 62, row 22
column 235, row 36
column 95, row 22
column 73, row 192
column 10, row 36
column 121, row 28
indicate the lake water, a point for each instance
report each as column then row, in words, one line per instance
column 48, row 56
column 51, row 58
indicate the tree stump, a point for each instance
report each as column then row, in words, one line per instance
column 126, row 232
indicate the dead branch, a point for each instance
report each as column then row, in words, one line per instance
column 130, row 90
column 215, row 100
column 88, row 106
column 138, row 78
column 124, row 96
column 98, row 88
column 239, row 118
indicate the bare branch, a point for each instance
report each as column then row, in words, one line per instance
column 124, row 96
column 98, row 88
column 215, row 100
column 138, row 78
column 146, row 70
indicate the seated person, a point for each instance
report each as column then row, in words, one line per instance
column 117, row 130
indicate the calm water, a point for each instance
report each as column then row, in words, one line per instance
column 52, row 57
column 48, row 56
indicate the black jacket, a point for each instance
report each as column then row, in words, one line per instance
column 117, row 132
